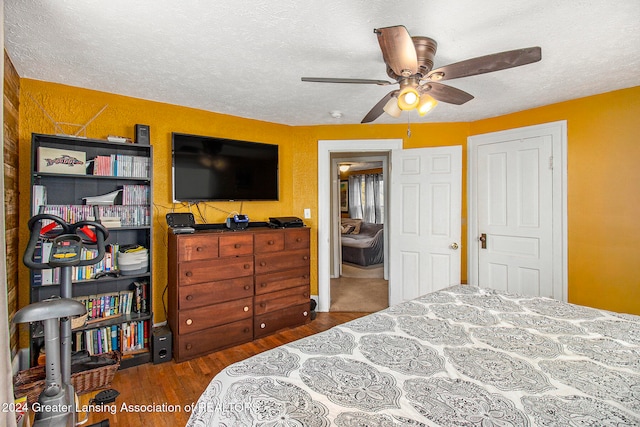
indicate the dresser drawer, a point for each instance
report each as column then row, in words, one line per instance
column 266, row 263
column 197, row 247
column 297, row 239
column 214, row 292
column 269, row 242
column 206, row 317
column 282, row 280
column 271, row 322
column 188, row 346
column 236, row 244
column 281, row 299
column 190, row 273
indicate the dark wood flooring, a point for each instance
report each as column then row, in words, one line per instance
column 164, row 392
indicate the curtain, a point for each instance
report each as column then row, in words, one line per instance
column 378, row 197
column 355, row 196
column 366, row 198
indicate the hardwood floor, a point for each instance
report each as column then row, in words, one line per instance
column 164, row 392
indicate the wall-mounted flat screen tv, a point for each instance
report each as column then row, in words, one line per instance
column 208, row 168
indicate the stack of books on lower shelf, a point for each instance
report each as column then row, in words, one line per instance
column 127, row 337
column 111, row 304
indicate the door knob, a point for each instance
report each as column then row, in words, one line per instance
column 454, row 246
column 483, row 240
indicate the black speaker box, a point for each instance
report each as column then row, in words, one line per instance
column 142, row 135
column 161, row 344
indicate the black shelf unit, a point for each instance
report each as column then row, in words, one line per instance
column 69, row 189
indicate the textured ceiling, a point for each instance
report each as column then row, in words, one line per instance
column 246, row 58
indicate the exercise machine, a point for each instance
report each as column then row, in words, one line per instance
column 58, row 401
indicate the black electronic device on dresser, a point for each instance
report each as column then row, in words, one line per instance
column 286, row 222
column 181, row 223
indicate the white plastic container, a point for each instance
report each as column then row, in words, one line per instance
column 133, row 263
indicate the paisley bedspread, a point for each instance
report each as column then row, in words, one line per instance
column 462, row 356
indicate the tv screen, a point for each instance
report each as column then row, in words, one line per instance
column 209, row 168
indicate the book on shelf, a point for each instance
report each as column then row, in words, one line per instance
column 139, row 289
column 135, row 195
column 129, row 215
column 121, row 165
column 39, row 198
column 126, row 338
column 108, row 305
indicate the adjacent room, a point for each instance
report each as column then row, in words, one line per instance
column 321, row 213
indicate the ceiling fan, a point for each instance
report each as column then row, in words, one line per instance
column 410, row 61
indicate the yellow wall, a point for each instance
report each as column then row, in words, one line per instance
column 603, row 193
column 603, row 173
column 75, row 105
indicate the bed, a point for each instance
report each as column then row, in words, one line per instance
column 462, row 356
column 362, row 244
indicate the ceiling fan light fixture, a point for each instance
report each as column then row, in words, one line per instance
column 408, row 98
column 426, row 104
column 392, row 109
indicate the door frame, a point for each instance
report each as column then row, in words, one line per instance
column 336, row 252
column 325, row 182
column 559, row 131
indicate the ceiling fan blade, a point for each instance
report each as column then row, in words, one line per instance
column 398, row 50
column 378, row 109
column 487, row 64
column 444, row 93
column 338, row 80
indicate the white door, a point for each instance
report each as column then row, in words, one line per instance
column 515, row 194
column 426, row 193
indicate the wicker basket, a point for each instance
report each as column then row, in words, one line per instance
column 30, row 382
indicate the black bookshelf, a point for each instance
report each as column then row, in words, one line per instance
column 66, row 190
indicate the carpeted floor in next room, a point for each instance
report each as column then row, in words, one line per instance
column 359, row 290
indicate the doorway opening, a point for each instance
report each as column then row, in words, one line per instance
column 328, row 211
column 358, row 280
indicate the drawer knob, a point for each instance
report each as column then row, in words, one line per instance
column 247, row 266
column 263, row 304
column 199, row 249
column 188, row 346
column 263, row 285
column 247, row 287
column 246, row 330
column 246, row 308
column 262, row 326
column 237, row 245
column 189, row 297
column 305, row 276
column 271, row 242
column 189, row 322
column 298, row 240
column 188, row 274
column 263, row 263
column 304, row 314
column 305, row 257
column 306, row 294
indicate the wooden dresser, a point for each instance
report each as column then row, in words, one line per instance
column 227, row 288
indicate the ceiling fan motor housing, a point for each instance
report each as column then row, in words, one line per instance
column 426, row 48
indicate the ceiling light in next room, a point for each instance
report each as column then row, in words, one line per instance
column 344, row 167
column 336, row 114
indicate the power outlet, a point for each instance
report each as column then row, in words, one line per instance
column 307, row 213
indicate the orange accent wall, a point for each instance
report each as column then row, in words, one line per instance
column 76, row 105
column 603, row 162
column 604, row 178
